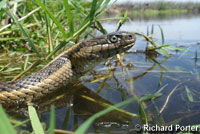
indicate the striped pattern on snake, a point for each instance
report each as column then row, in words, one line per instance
column 66, row 67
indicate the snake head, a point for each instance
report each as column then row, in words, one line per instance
column 104, row 46
column 107, row 45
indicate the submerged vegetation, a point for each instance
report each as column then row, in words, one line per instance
column 32, row 32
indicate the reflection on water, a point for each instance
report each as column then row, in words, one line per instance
column 176, row 77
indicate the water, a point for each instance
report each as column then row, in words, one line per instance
column 176, row 77
column 149, row 76
column 180, row 30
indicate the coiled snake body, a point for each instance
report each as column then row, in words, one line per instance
column 66, row 67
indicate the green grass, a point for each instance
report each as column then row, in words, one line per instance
column 5, row 125
column 41, row 28
column 35, row 122
column 67, row 22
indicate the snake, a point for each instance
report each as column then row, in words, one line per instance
column 66, row 67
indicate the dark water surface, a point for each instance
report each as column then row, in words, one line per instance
column 176, row 77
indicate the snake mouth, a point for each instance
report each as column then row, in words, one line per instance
column 129, row 45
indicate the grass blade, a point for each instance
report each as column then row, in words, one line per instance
column 77, row 6
column 49, row 30
column 35, row 122
column 69, row 17
column 165, row 52
column 21, row 123
column 100, row 28
column 189, row 94
column 141, row 107
column 82, row 28
column 53, row 18
column 52, row 120
column 62, row 44
column 82, row 129
column 26, row 62
column 143, row 114
column 176, row 48
column 150, row 97
column 93, row 10
column 152, row 29
column 30, row 43
column 10, row 39
column 162, row 35
column 105, row 4
column 147, row 30
column 99, row 3
column 5, row 125
column 106, row 105
column 123, row 19
column 66, row 119
column 87, row 21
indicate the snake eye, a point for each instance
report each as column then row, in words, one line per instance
column 113, row 39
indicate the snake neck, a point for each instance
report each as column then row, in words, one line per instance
column 81, row 60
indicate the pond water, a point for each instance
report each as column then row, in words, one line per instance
column 176, row 77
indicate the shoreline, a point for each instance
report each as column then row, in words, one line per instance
column 153, row 9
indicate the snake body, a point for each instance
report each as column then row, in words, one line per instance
column 65, row 68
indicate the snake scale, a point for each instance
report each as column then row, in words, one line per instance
column 66, row 67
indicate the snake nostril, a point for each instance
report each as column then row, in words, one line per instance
column 130, row 36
